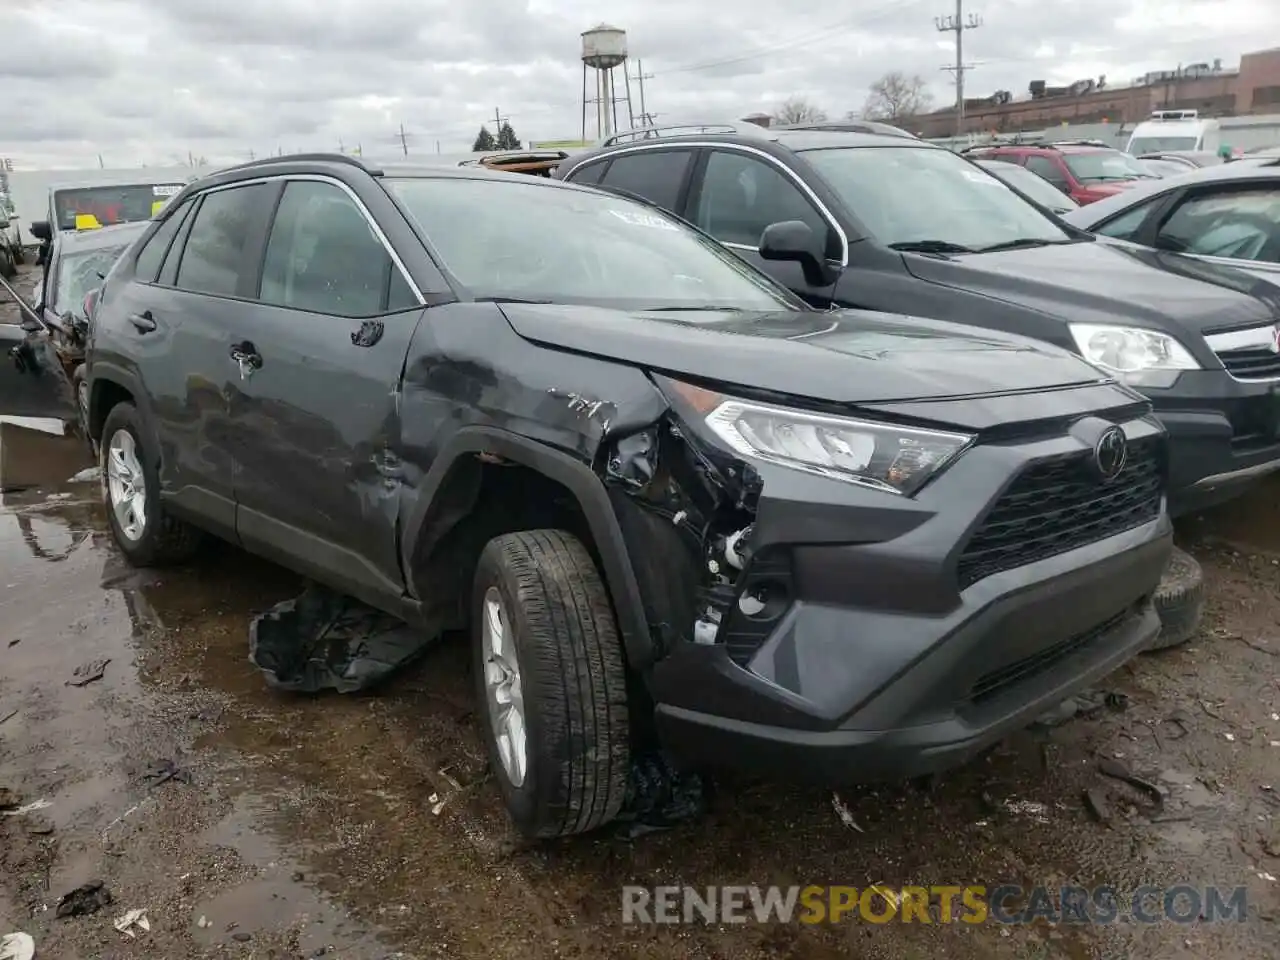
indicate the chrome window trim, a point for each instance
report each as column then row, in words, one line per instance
column 768, row 158
column 364, row 212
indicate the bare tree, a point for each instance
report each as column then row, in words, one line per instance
column 799, row 110
column 896, row 96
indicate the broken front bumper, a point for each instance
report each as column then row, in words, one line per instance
column 890, row 657
column 33, row 379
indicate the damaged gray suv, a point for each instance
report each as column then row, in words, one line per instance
column 671, row 502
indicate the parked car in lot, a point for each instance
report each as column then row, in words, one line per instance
column 99, row 203
column 1084, row 172
column 77, row 265
column 1034, row 188
column 1228, row 214
column 951, row 241
column 1188, row 159
column 663, row 492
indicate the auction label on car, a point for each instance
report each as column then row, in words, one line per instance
column 165, row 189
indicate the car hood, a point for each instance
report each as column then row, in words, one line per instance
column 1106, row 281
column 842, row 357
column 1109, row 188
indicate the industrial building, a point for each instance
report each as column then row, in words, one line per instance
column 1210, row 88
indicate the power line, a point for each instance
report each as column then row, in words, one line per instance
column 958, row 24
column 820, row 35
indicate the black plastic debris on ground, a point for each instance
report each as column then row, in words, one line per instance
column 322, row 640
column 162, row 771
column 83, row 900
column 659, row 797
column 88, row 672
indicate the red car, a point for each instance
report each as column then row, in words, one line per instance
column 1083, row 172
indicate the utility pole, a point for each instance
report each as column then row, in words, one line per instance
column 341, row 147
column 641, row 77
column 958, row 24
column 404, row 140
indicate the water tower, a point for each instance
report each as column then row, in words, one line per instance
column 604, row 49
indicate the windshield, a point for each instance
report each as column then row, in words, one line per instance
column 1105, row 165
column 1034, row 186
column 936, row 195
column 1165, row 144
column 525, row 241
column 78, row 274
column 108, row 205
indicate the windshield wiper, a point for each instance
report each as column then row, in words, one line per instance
column 930, row 246
column 1022, row 243
column 691, row 308
column 509, row 300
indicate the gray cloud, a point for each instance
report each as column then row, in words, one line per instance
column 154, row 80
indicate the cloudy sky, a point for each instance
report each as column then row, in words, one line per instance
column 154, row 81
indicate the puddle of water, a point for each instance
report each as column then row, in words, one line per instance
column 278, row 899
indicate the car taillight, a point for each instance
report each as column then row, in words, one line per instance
column 90, row 299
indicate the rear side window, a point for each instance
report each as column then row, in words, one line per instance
column 1128, row 223
column 323, row 257
column 213, row 260
column 655, row 175
column 1047, row 169
column 589, row 172
column 147, row 266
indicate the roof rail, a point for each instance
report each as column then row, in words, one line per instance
column 848, row 126
column 304, row 158
column 1078, row 142
column 682, row 130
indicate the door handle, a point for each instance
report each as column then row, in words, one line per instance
column 247, row 358
column 143, row 322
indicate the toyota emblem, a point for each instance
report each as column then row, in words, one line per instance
column 1110, row 453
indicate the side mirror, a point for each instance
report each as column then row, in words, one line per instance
column 795, row 240
column 40, row 230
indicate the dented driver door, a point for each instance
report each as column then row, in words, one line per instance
column 314, row 399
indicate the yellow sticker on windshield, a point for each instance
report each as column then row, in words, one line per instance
column 87, row 221
column 157, row 206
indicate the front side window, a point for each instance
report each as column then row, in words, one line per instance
column 926, row 195
column 529, row 240
column 1104, row 166
column 323, row 257
column 1242, row 224
column 1047, row 170
column 213, row 260
column 655, row 175
column 741, row 195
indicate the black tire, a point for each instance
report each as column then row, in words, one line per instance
column 19, row 255
column 573, row 678
column 81, row 387
column 8, row 268
column 1179, row 600
column 164, row 539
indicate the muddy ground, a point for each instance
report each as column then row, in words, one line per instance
column 362, row 826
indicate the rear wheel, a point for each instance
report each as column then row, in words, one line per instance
column 143, row 531
column 552, row 683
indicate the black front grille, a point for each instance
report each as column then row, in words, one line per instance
column 1252, row 364
column 1058, row 504
column 992, row 682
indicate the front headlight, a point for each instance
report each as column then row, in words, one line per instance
column 1138, row 356
column 880, row 455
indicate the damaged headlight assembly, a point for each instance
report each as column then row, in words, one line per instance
column 882, row 456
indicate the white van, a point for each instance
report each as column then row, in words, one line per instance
column 1169, row 130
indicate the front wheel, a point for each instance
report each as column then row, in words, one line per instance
column 141, row 528
column 552, row 683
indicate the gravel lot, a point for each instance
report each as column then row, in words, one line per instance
column 362, row 826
